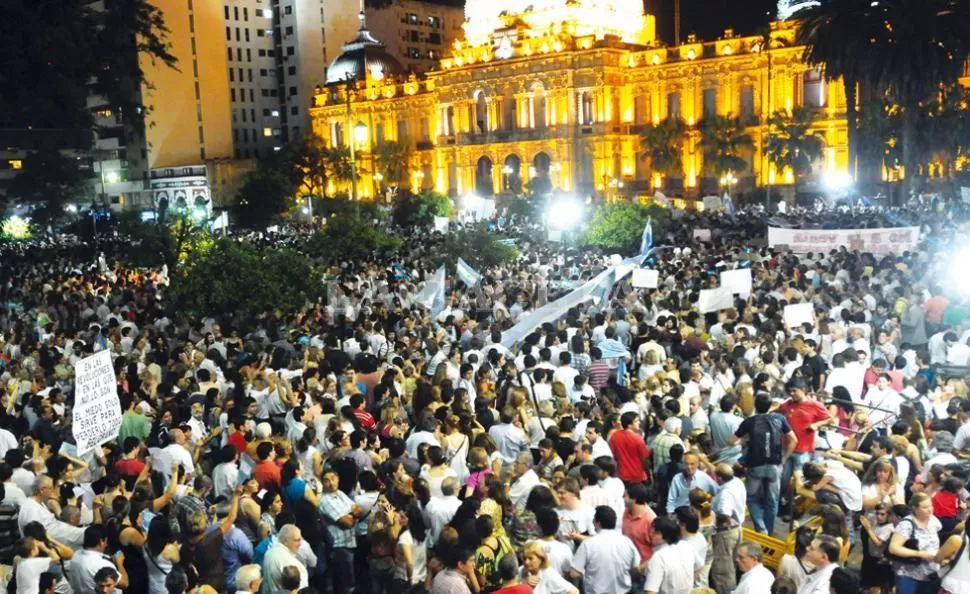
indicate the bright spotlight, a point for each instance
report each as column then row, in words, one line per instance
column 111, row 177
column 837, row 181
column 564, row 214
column 470, row 201
column 305, row 210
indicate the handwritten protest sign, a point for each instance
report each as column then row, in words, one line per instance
column 97, row 410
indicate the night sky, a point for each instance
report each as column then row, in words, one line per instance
column 709, row 18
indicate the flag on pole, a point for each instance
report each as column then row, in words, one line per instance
column 646, row 240
column 432, row 296
column 728, row 205
column 467, row 274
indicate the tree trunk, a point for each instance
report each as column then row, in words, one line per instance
column 909, row 148
column 852, row 124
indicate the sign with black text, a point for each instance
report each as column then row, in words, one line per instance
column 97, row 410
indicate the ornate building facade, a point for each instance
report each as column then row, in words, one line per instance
column 562, row 91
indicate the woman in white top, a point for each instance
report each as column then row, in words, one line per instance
column 954, row 557
column 536, row 572
column 411, row 552
column 437, row 470
column 162, row 553
column 879, row 485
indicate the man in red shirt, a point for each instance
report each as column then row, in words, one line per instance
column 266, row 472
column 237, row 434
column 366, row 419
column 630, row 451
column 638, row 523
column 806, row 416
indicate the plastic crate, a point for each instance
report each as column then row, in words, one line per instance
column 774, row 549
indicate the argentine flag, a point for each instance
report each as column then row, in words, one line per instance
column 432, row 296
column 467, row 274
column 646, row 240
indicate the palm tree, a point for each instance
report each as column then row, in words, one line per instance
column 722, row 140
column 391, row 159
column 793, row 143
column 336, row 162
column 927, row 46
column 843, row 36
column 664, row 144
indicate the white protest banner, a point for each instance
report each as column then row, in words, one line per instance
column 702, row 234
column 715, row 300
column 798, row 314
column 737, row 281
column 644, row 278
column 891, row 240
column 712, row 202
column 441, row 224
column 97, row 410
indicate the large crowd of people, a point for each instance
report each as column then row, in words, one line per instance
column 634, row 444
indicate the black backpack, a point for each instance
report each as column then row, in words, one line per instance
column 765, row 439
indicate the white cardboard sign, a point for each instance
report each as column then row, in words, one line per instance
column 441, row 224
column 702, row 234
column 644, row 278
column 799, row 313
column 737, row 281
column 715, row 300
column 97, row 410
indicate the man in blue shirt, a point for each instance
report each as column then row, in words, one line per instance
column 682, row 483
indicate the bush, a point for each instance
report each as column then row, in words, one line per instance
column 619, row 225
column 226, row 278
column 351, row 238
column 421, row 209
column 477, row 246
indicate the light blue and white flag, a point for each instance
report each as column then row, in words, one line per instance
column 467, row 274
column 646, row 240
column 432, row 296
column 728, row 205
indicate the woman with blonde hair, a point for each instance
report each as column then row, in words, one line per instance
column 880, row 486
column 537, row 573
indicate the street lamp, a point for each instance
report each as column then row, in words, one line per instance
column 728, row 180
column 360, row 134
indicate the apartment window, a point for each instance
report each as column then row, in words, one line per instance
column 226, row 11
column 265, row 112
column 294, row 110
column 710, row 103
column 242, row 95
column 16, row 164
column 412, row 18
column 241, row 77
column 252, row 98
column 235, row 135
column 267, row 131
column 262, row 53
column 255, row 136
column 272, row 92
column 193, row 46
column 747, row 103
column 252, row 114
column 232, row 95
column 813, row 89
column 292, row 90
column 237, row 34
column 229, row 54
column 235, row 12
column 232, row 75
column 265, row 92
column 249, row 73
column 402, row 130
column 673, row 105
column 243, row 115
column 228, row 33
column 191, row 24
column 249, row 55
column 234, row 116
column 198, row 91
column 239, row 54
column 247, row 35
column 289, row 10
column 245, row 135
column 291, row 70
column 433, row 55
column 296, row 130
column 260, row 32
column 290, row 50
column 434, row 22
column 263, row 72
column 434, row 38
column 289, row 30
column 245, row 14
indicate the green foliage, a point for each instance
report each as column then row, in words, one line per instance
column 352, row 237
column 619, row 225
column 261, row 199
column 722, row 140
column 421, row 209
column 524, row 207
column 792, row 143
column 477, row 246
column 16, row 228
column 663, row 144
column 49, row 178
column 391, row 160
column 227, row 278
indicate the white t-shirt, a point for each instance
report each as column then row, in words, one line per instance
column 419, row 557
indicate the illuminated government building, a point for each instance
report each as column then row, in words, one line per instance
column 562, row 90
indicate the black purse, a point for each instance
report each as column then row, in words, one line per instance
column 911, row 543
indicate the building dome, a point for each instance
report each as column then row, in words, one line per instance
column 362, row 58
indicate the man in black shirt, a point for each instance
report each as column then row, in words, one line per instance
column 764, row 433
column 817, row 365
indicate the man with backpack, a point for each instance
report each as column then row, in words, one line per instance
column 769, row 439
